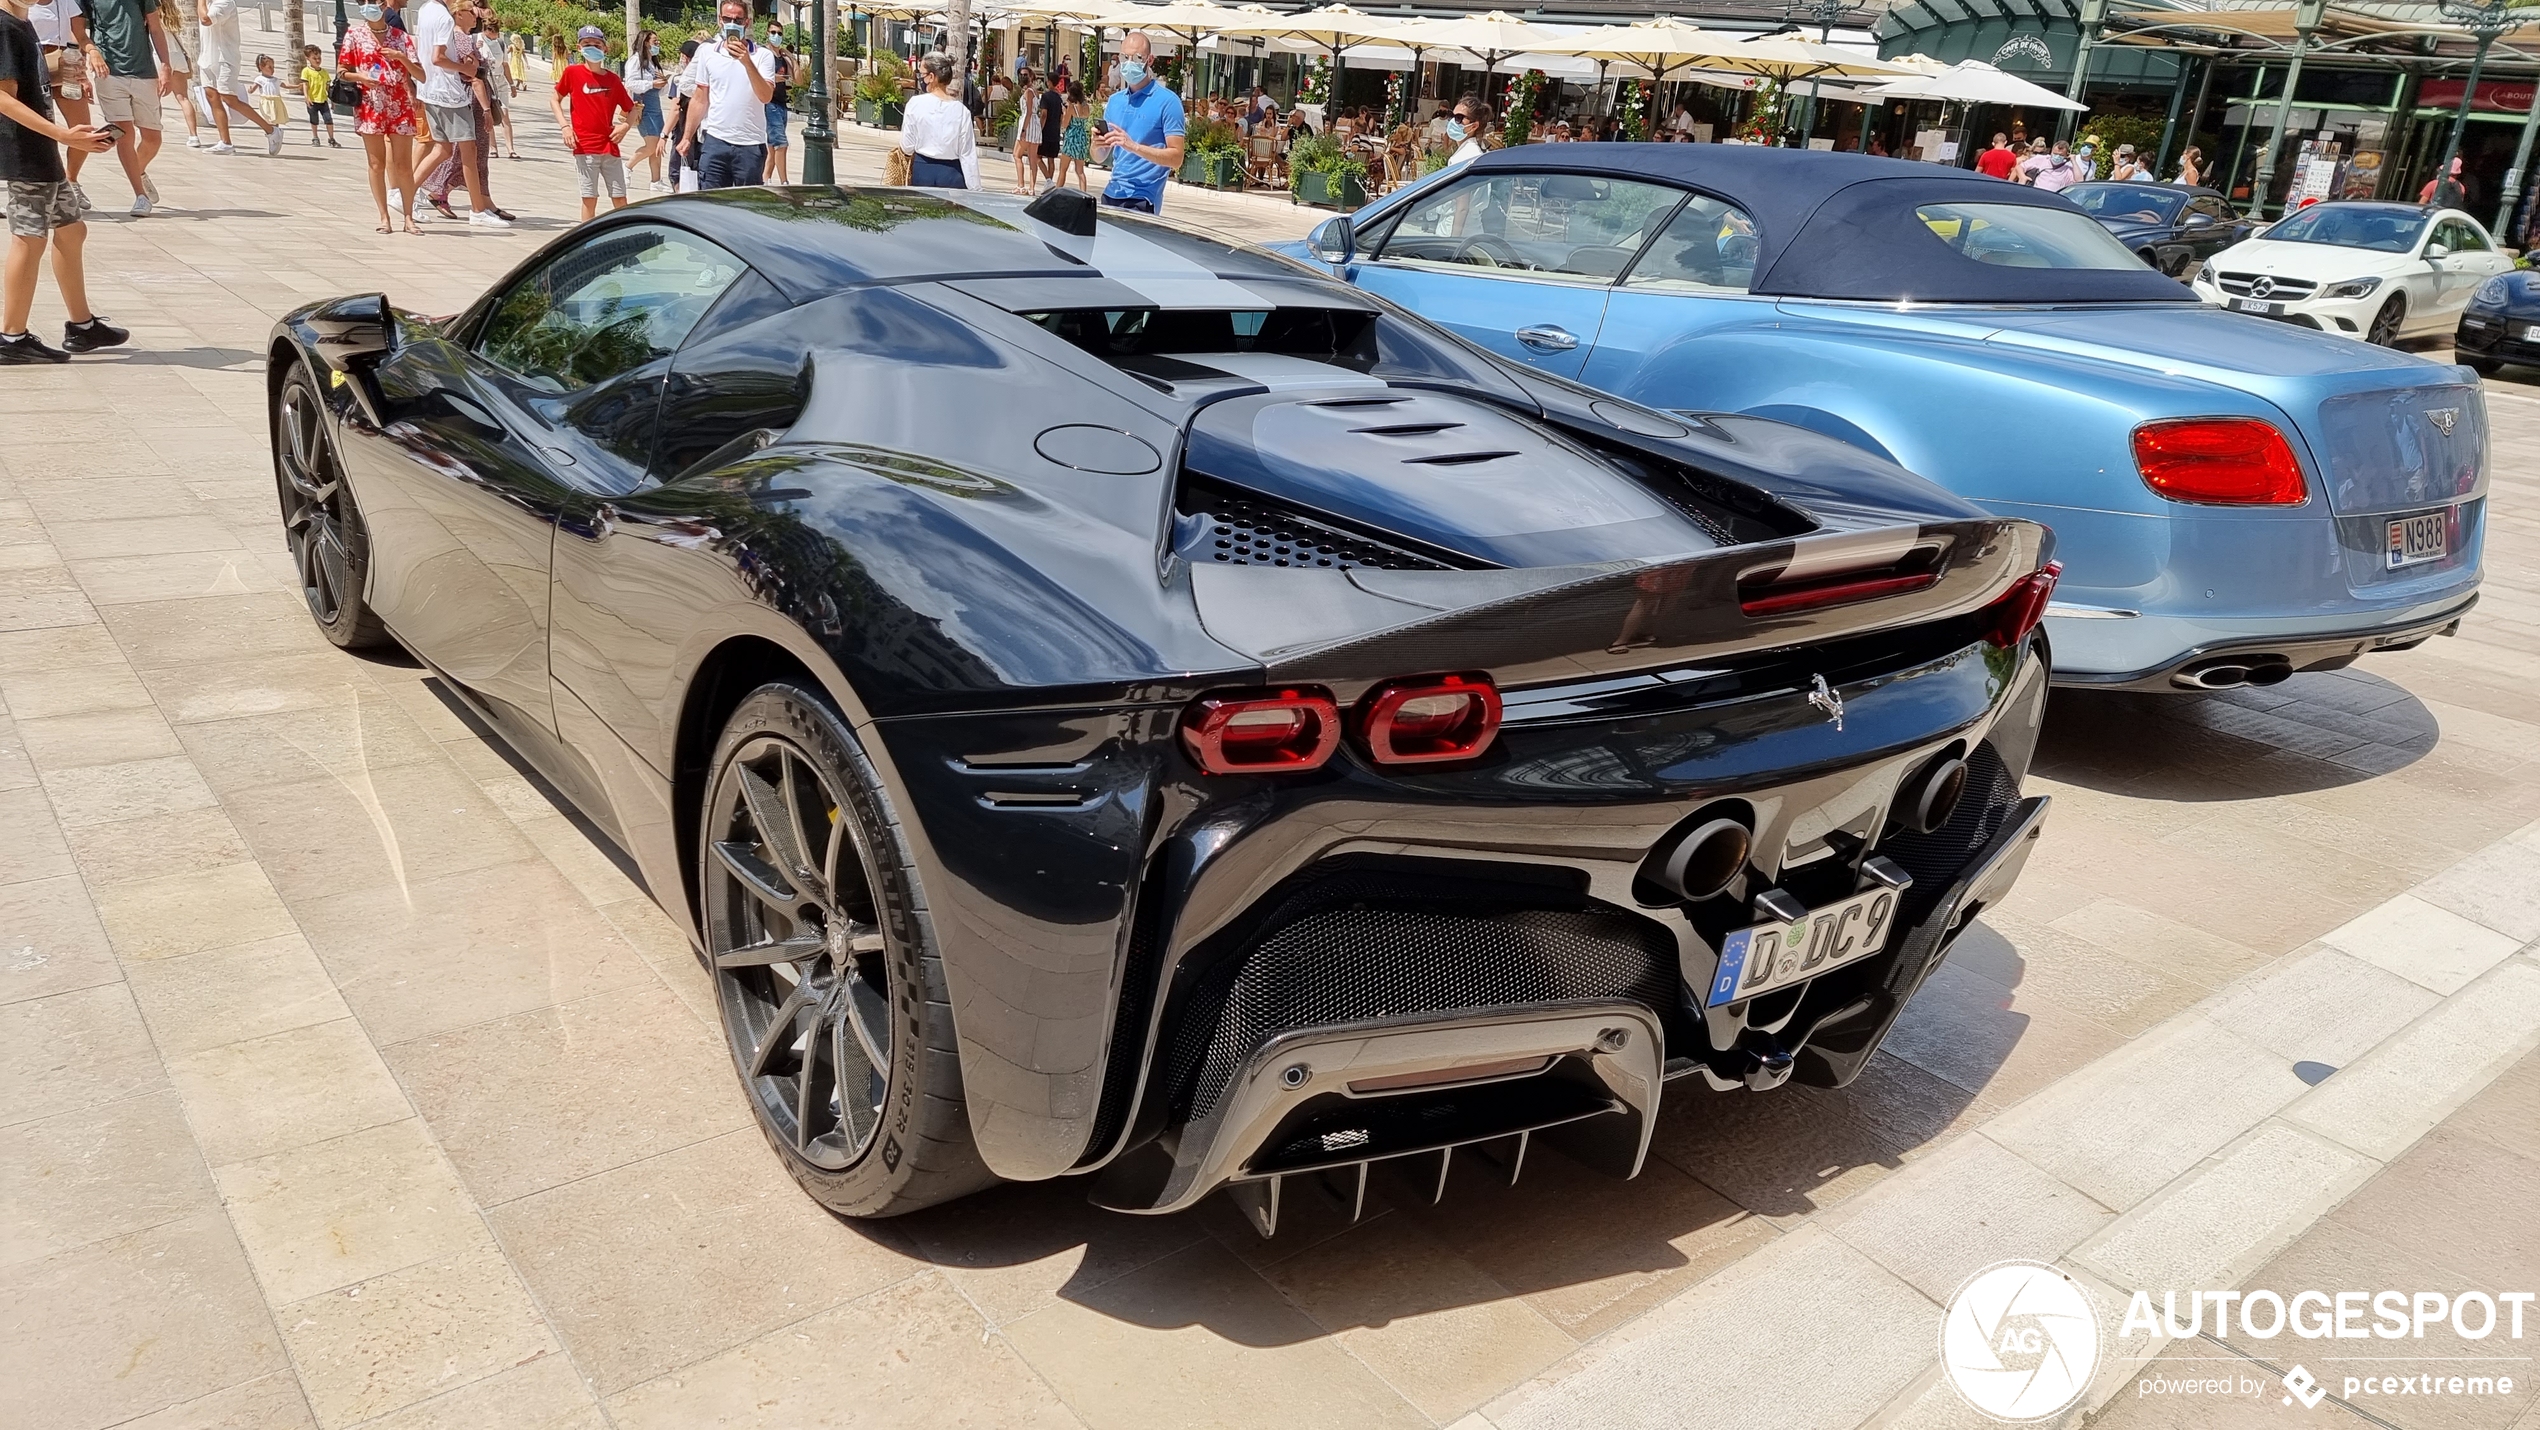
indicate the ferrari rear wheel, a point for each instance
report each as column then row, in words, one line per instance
column 2385, row 323
column 825, row 965
column 330, row 548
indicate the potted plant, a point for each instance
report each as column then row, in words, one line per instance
column 1213, row 155
column 1002, row 118
column 1322, row 174
column 878, row 96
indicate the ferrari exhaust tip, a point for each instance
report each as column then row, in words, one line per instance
column 1931, row 795
column 1705, row 861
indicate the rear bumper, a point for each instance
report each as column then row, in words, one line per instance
column 2325, row 643
column 1403, row 988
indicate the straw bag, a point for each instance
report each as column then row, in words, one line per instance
column 895, row 168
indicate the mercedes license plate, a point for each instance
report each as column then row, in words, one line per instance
column 2252, row 305
column 1765, row 957
column 2415, row 540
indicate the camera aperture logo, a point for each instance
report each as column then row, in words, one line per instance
column 2020, row 1341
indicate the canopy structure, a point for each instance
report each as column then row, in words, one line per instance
column 1334, row 29
column 1975, row 82
column 1788, row 57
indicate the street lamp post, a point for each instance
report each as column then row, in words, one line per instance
column 819, row 140
column 2514, row 175
column 1825, row 13
column 2306, row 18
column 2094, row 15
column 2486, row 22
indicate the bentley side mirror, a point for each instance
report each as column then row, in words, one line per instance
column 350, row 329
column 2437, row 250
column 1334, row 242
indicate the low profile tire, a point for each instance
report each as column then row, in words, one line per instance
column 330, row 548
column 826, row 971
column 2385, row 323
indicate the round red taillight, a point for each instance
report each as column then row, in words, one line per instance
column 2219, row 461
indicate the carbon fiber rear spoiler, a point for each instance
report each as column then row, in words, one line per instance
column 1567, row 622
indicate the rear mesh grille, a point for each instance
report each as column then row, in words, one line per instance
column 1246, row 531
column 1356, row 947
column 1938, row 858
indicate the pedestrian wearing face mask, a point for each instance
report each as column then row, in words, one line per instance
column 594, row 111
column 382, row 62
column 726, row 136
column 1143, row 126
column 1464, row 130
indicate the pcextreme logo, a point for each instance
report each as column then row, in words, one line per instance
column 2020, row 1341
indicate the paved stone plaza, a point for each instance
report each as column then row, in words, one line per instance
column 347, row 1079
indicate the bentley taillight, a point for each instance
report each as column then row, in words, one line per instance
column 1256, row 732
column 1430, row 719
column 2219, row 461
column 2017, row 611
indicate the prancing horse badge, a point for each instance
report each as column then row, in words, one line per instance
column 1825, row 697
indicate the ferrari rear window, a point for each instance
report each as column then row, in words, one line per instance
column 2026, row 236
column 1325, row 334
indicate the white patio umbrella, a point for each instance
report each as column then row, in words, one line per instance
column 1498, row 36
column 1784, row 58
column 1334, row 29
column 1975, row 82
column 1660, row 49
column 1184, row 20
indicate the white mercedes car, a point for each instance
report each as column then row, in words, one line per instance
column 2377, row 271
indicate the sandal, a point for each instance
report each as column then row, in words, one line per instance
column 384, row 228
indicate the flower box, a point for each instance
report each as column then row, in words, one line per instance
column 1325, row 189
column 1221, row 170
column 878, row 116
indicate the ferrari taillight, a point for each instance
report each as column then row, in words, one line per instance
column 2017, row 611
column 1262, row 731
column 1429, row 719
column 2219, row 461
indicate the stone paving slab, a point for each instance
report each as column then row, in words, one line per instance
column 294, row 964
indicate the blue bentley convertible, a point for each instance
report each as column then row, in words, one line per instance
column 2234, row 498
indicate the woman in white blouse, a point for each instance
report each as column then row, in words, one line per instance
column 943, row 151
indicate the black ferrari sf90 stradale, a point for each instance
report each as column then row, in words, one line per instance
column 1110, row 702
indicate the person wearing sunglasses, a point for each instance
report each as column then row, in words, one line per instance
column 1464, row 129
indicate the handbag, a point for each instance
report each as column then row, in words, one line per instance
column 345, row 95
column 895, row 168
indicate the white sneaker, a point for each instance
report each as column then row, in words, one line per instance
column 273, row 140
column 487, row 218
column 140, row 205
column 659, row 187
column 193, row 141
column 150, row 188
column 221, row 149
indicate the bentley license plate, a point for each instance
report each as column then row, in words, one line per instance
column 2252, row 305
column 1776, row 955
column 2415, row 540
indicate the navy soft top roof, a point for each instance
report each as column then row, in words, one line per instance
column 1843, row 225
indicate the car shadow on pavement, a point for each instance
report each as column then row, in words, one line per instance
column 2315, row 731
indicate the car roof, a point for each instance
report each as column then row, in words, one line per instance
column 813, row 241
column 1842, row 226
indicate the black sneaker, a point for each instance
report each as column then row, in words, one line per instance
column 96, row 333
column 28, row 348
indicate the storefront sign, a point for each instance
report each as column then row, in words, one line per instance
column 2030, row 50
column 2495, row 96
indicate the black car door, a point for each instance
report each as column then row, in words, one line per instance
column 557, row 395
column 2209, row 226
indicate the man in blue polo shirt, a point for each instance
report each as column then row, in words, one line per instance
column 1142, row 123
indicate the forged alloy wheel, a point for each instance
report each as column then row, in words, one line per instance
column 2385, row 323
column 825, row 965
column 799, row 958
column 319, row 523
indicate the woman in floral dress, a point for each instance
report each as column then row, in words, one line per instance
column 383, row 64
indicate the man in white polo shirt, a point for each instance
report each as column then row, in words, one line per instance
column 448, row 66
column 727, row 117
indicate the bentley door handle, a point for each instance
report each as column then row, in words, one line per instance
column 1546, row 338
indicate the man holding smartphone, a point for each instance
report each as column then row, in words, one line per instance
column 1142, row 122
column 43, row 204
column 726, row 136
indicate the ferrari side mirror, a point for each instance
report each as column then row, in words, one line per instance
column 1336, row 241
column 350, row 329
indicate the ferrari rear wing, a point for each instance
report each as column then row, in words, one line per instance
column 1568, row 622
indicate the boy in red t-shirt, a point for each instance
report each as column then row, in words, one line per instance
column 1996, row 162
column 601, row 111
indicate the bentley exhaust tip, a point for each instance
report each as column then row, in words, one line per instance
column 1931, row 795
column 2270, row 672
column 1705, row 861
column 2233, row 672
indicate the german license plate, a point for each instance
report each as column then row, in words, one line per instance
column 2415, row 540
column 2252, row 305
column 1765, row 957
column 2531, row 332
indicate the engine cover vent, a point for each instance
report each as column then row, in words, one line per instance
column 1229, row 528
